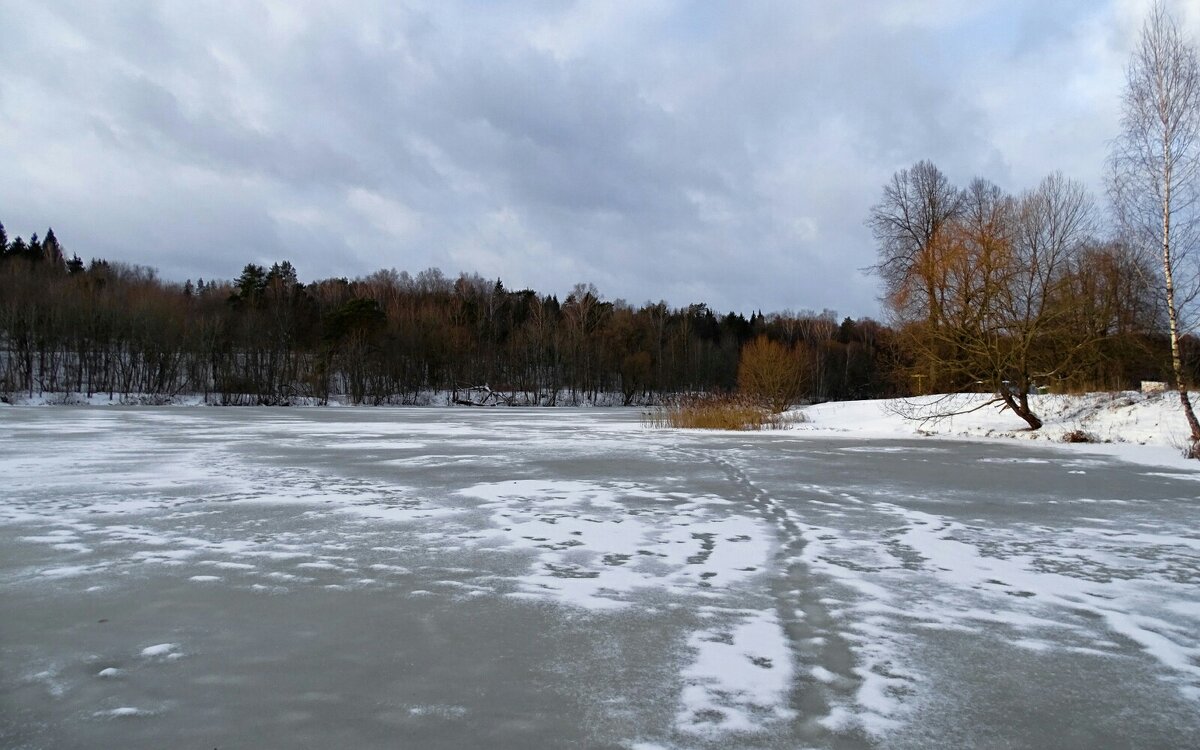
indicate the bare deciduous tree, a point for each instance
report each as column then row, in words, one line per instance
column 1003, row 270
column 1155, row 173
column 1051, row 224
column 917, row 205
column 770, row 373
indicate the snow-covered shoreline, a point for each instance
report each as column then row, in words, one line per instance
column 1148, row 429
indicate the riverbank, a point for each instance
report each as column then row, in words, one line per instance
column 1146, row 428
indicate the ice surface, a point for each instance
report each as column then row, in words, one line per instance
column 581, row 577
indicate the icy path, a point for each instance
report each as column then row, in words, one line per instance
column 455, row 578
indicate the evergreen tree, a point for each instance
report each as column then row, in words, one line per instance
column 283, row 274
column 18, row 249
column 250, row 284
column 51, row 251
column 33, row 250
column 846, row 332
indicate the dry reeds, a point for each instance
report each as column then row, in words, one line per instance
column 717, row 412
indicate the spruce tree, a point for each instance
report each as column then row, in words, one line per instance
column 18, row 248
column 34, row 250
column 51, row 251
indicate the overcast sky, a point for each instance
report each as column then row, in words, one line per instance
column 725, row 153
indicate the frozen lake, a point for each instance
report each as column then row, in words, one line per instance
column 450, row 578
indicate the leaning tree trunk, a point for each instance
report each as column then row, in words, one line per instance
column 1020, row 407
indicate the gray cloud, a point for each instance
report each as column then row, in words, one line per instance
column 694, row 151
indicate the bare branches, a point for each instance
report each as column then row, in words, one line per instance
column 770, row 373
column 928, row 412
column 986, row 300
column 916, row 205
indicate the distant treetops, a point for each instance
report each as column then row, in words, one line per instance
column 46, row 251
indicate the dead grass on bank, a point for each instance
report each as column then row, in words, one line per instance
column 718, row 412
column 1079, row 436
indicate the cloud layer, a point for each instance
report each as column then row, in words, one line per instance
column 691, row 151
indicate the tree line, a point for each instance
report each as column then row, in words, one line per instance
column 111, row 328
column 106, row 327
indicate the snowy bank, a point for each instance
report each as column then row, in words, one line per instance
column 1146, row 428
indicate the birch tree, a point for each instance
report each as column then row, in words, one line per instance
column 1155, row 174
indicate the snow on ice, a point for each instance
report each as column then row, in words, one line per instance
column 805, row 574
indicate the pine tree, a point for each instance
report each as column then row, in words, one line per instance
column 250, row 284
